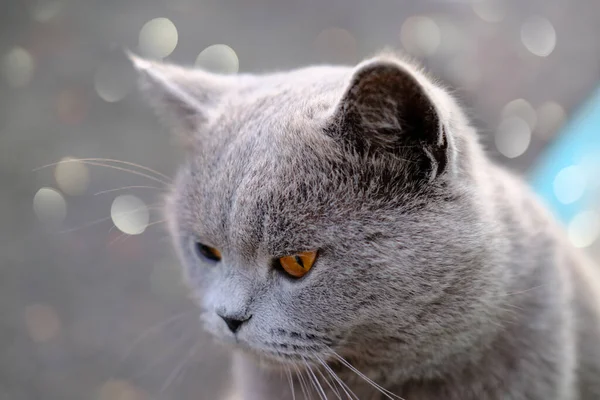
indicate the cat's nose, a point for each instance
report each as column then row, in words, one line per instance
column 234, row 323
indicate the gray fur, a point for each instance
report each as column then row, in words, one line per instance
column 439, row 274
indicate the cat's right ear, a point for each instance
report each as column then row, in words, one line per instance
column 389, row 108
column 183, row 97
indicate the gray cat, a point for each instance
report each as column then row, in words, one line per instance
column 343, row 229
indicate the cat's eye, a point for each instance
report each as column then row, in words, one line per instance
column 298, row 265
column 207, row 252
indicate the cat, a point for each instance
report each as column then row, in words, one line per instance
column 345, row 232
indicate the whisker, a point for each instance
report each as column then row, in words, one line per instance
column 112, row 228
column 151, row 177
column 338, row 379
column 150, row 207
column 148, row 332
column 311, row 388
column 315, row 381
column 161, row 221
column 168, row 178
column 125, row 188
column 290, row 381
column 166, row 183
column 171, row 378
column 84, row 160
column 332, row 387
column 519, row 292
column 85, row 225
column 119, row 239
column 302, row 382
column 383, row 390
column 306, row 380
column 169, row 350
column 125, row 235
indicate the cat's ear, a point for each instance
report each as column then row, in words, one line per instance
column 183, row 97
column 387, row 107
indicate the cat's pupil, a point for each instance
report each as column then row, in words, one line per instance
column 299, row 261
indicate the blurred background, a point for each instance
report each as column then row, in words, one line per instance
column 91, row 304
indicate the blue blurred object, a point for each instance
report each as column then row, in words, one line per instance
column 577, row 145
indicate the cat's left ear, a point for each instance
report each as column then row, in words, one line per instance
column 183, row 97
column 389, row 107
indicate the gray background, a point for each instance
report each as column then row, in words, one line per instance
column 88, row 314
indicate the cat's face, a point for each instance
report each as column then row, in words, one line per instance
column 355, row 167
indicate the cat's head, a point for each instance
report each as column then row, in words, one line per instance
column 364, row 172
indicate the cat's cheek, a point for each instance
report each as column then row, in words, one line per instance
column 210, row 300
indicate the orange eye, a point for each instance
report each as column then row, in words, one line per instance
column 208, row 252
column 299, row 264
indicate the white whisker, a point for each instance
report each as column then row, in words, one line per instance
column 168, row 178
column 125, row 188
column 303, row 385
column 112, row 160
column 315, row 381
column 519, row 292
column 148, row 332
column 383, row 390
column 339, row 380
column 98, row 164
column 332, row 387
column 171, row 378
column 291, row 381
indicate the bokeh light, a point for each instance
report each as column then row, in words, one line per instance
column 513, row 137
column 584, row 228
column 130, row 214
column 114, row 79
column 420, row 35
column 218, row 58
column 336, row 45
column 42, row 321
column 522, row 109
column 72, row 176
column 50, row 206
column 570, row 184
column 18, row 67
column 158, row 38
column 538, row 36
column 489, row 10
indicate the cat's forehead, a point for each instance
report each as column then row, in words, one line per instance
column 264, row 173
column 285, row 97
column 271, row 122
column 264, row 159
